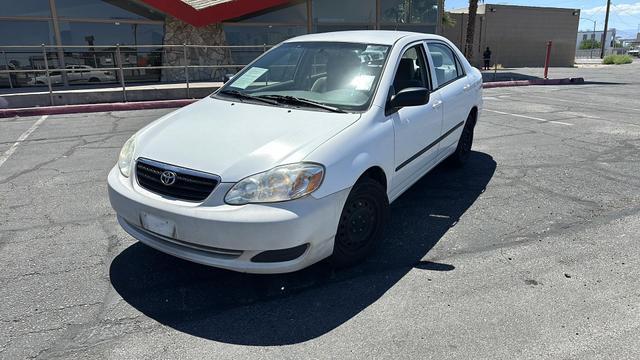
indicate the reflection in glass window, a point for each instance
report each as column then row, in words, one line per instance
column 105, row 9
column 344, row 11
column 81, row 33
column 295, row 14
column 329, row 28
column 409, row 11
column 26, row 8
column 257, row 35
column 427, row 29
column 31, row 32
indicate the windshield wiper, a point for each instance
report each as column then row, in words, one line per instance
column 240, row 95
column 297, row 100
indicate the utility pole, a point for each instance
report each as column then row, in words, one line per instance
column 606, row 26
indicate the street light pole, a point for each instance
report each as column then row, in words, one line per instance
column 594, row 36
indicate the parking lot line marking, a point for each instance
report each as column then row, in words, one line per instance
column 530, row 117
column 22, row 138
column 590, row 104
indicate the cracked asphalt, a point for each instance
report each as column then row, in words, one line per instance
column 531, row 251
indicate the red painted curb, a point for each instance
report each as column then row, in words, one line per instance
column 87, row 108
column 565, row 81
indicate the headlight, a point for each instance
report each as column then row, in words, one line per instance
column 281, row 183
column 126, row 156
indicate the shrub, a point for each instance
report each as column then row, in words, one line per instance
column 617, row 59
column 589, row 44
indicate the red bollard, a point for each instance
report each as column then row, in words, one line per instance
column 548, row 59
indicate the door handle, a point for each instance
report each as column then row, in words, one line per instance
column 437, row 104
column 466, row 87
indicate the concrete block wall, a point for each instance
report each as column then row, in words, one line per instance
column 517, row 35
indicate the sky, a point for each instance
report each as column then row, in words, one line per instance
column 625, row 14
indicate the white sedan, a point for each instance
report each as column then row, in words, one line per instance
column 75, row 74
column 298, row 156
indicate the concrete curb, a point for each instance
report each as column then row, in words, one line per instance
column 566, row 81
column 162, row 104
column 88, row 108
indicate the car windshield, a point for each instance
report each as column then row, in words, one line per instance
column 340, row 75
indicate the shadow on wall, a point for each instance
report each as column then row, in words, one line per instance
column 292, row 308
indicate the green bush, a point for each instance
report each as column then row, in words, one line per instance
column 617, row 59
column 589, row 44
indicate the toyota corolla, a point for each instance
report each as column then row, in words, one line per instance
column 297, row 157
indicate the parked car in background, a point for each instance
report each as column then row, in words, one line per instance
column 280, row 169
column 76, row 74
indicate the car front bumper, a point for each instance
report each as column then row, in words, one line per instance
column 226, row 236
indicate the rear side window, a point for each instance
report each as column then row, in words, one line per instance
column 445, row 63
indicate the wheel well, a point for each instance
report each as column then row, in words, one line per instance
column 376, row 173
column 473, row 115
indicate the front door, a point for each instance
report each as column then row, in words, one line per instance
column 416, row 128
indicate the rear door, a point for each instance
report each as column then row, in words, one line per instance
column 416, row 128
column 453, row 88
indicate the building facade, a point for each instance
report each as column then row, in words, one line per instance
column 517, row 35
column 95, row 34
column 586, row 35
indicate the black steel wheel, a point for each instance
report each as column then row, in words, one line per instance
column 361, row 223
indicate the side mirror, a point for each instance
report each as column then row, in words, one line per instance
column 413, row 96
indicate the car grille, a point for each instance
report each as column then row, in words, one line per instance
column 190, row 185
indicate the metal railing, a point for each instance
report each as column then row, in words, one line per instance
column 113, row 55
column 595, row 53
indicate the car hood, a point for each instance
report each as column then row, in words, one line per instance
column 235, row 139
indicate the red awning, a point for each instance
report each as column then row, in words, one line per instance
column 202, row 12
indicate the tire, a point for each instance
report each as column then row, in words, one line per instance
column 94, row 80
column 463, row 150
column 362, row 223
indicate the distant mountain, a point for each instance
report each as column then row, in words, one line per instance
column 627, row 34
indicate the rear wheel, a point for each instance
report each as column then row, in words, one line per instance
column 463, row 150
column 361, row 223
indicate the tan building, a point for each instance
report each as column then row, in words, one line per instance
column 517, row 35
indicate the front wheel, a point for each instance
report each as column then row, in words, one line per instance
column 361, row 224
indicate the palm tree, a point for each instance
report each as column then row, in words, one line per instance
column 471, row 27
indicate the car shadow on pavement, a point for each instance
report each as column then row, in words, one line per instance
column 291, row 308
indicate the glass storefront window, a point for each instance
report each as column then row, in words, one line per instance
column 84, row 33
column 28, row 32
column 26, row 8
column 409, row 11
column 344, row 11
column 257, row 35
column 112, row 9
column 428, row 29
column 31, row 33
column 294, row 14
column 328, row 28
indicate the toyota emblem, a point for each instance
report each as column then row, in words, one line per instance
column 168, row 178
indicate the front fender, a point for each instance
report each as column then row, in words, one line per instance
column 352, row 152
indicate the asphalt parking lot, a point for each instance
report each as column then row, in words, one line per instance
column 530, row 251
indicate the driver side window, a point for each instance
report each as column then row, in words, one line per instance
column 412, row 70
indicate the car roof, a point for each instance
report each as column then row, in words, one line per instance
column 381, row 37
